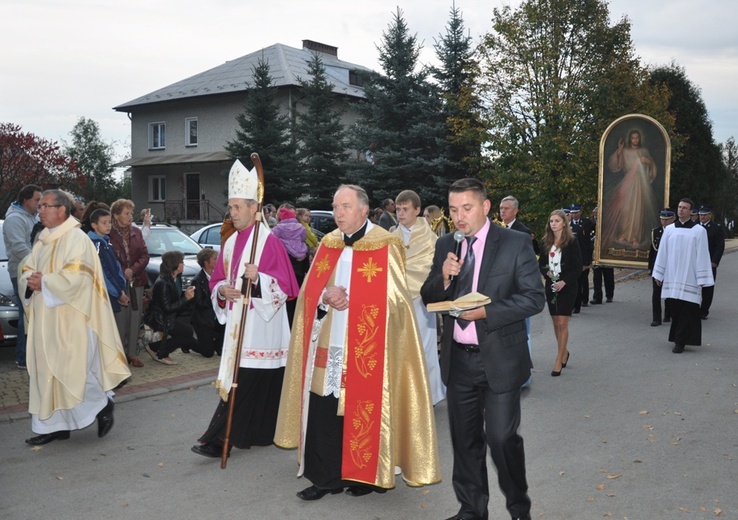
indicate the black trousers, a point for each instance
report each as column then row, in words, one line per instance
column 582, row 290
column 209, row 339
column 656, row 303
column 707, row 294
column 180, row 336
column 598, row 275
column 479, row 418
column 686, row 325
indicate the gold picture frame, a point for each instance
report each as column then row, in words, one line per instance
column 633, row 186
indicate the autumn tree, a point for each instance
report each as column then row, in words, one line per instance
column 28, row 159
column 321, row 137
column 555, row 75
column 400, row 126
column 263, row 129
column 94, row 158
column 458, row 77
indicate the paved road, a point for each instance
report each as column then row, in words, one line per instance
column 629, row 431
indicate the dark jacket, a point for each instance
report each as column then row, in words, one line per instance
column 138, row 257
column 571, row 264
column 203, row 314
column 508, row 275
column 519, row 226
column 584, row 231
column 715, row 241
column 166, row 301
column 114, row 279
column 656, row 234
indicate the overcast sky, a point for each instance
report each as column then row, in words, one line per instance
column 79, row 58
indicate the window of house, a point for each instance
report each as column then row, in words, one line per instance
column 157, row 135
column 157, row 188
column 356, row 78
column 191, row 131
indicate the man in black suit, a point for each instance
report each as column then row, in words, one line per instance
column 509, row 207
column 716, row 244
column 583, row 229
column 667, row 217
column 388, row 220
column 484, row 353
column 601, row 273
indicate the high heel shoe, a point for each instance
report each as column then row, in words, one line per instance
column 563, row 365
column 554, row 373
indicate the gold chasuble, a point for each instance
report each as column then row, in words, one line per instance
column 384, row 395
column 57, row 336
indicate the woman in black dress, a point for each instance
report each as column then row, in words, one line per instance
column 561, row 264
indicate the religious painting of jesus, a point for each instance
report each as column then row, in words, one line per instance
column 633, row 187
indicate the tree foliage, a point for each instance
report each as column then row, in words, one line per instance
column 697, row 169
column 94, row 158
column 729, row 151
column 458, row 77
column 28, row 159
column 265, row 130
column 321, row 137
column 556, row 74
column 401, row 125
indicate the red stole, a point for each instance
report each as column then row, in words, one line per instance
column 364, row 356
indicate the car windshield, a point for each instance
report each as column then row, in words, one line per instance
column 162, row 240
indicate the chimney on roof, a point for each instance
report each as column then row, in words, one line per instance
column 320, row 47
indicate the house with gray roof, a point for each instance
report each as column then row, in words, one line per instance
column 179, row 165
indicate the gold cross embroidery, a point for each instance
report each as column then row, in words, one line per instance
column 322, row 266
column 234, row 334
column 370, row 270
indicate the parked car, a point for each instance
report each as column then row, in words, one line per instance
column 8, row 305
column 322, row 221
column 165, row 238
column 208, row 236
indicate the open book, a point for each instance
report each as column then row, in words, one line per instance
column 466, row 302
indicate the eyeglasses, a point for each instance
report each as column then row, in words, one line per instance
column 47, row 206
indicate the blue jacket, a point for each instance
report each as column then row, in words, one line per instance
column 115, row 281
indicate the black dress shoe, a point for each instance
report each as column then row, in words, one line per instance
column 596, row 302
column 360, row 491
column 575, row 311
column 678, row 348
column 655, row 323
column 105, row 419
column 46, row 438
column 585, row 304
column 667, row 320
column 314, row 493
column 554, row 373
column 460, row 517
column 609, row 300
column 211, row 450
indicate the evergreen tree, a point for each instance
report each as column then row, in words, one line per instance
column 458, row 77
column 697, row 169
column 264, row 130
column 321, row 137
column 400, row 125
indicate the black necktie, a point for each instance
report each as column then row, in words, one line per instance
column 466, row 276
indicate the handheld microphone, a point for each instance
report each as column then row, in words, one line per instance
column 459, row 237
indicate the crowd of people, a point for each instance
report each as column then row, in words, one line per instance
column 328, row 346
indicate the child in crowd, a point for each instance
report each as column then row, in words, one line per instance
column 101, row 223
